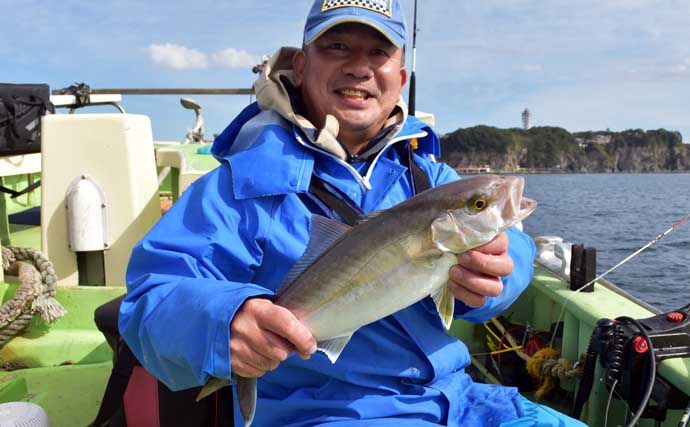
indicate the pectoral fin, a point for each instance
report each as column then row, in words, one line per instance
column 445, row 304
column 333, row 347
column 213, row 385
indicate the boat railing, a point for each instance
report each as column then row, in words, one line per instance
column 555, row 255
column 72, row 102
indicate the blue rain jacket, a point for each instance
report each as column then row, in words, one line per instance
column 236, row 232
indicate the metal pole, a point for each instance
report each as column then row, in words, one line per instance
column 183, row 91
column 413, row 78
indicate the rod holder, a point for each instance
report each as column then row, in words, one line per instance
column 583, row 267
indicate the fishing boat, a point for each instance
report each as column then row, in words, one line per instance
column 555, row 343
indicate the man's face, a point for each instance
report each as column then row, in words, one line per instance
column 352, row 72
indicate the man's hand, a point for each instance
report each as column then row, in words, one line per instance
column 263, row 334
column 477, row 274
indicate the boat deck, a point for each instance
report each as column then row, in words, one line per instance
column 64, row 367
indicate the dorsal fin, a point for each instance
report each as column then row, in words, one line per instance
column 324, row 232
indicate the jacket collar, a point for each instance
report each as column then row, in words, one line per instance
column 285, row 161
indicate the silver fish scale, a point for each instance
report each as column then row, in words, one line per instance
column 358, row 291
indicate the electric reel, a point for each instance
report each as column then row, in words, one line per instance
column 629, row 350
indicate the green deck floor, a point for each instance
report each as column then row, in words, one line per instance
column 63, row 367
column 25, row 236
column 71, row 395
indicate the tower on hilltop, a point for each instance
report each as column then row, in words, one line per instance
column 525, row 119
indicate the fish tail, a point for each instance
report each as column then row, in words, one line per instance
column 246, row 396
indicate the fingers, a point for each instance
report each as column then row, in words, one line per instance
column 255, row 351
column 247, row 363
column 283, row 323
column 498, row 246
column 490, row 265
column 477, row 275
column 471, row 299
column 304, row 356
column 490, row 259
column 261, row 336
column 472, row 288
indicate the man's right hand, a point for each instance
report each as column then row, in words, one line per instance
column 263, row 334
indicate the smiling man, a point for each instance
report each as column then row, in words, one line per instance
column 328, row 116
column 354, row 73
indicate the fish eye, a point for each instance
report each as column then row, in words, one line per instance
column 478, row 203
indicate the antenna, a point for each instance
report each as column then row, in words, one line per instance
column 413, row 79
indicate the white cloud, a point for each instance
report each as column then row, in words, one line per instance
column 627, row 4
column 235, row 58
column 681, row 69
column 183, row 58
column 177, row 57
column 531, row 68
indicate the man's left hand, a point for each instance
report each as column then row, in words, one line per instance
column 477, row 275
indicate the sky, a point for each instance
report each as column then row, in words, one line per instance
column 580, row 65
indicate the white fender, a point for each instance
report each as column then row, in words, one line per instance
column 86, row 220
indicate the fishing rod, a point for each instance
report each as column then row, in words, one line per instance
column 413, row 79
column 625, row 345
column 675, row 226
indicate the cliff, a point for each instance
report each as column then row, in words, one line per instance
column 553, row 149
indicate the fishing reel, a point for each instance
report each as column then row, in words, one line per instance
column 629, row 350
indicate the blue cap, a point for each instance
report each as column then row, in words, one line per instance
column 386, row 16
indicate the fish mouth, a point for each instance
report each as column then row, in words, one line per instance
column 516, row 206
column 527, row 206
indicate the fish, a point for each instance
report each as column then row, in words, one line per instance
column 349, row 277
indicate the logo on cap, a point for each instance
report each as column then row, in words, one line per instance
column 384, row 7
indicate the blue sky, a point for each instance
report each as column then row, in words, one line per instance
column 581, row 65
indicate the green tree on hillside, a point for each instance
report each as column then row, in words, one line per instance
column 478, row 138
column 555, row 148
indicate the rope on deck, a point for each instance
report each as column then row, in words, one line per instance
column 36, row 292
column 549, row 368
column 544, row 365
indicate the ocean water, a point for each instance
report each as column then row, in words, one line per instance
column 617, row 214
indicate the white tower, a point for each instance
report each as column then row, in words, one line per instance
column 525, row 119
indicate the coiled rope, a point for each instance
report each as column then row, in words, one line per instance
column 35, row 295
column 549, row 368
column 546, row 365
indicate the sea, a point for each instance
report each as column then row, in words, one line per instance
column 617, row 214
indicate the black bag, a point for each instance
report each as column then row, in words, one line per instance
column 21, row 109
column 134, row 398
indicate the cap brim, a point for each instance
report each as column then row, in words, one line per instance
column 320, row 29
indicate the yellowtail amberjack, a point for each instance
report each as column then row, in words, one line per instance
column 352, row 276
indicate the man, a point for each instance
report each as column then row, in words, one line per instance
column 200, row 282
